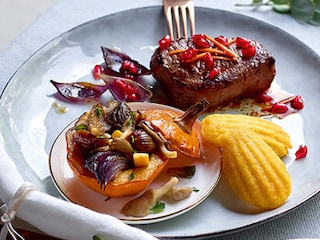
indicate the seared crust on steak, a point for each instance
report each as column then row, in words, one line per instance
column 188, row 83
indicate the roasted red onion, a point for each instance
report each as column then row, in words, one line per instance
column 121, row 65
column 118, row 71
column 106, row 165
column 80, row 91
column 125, row 90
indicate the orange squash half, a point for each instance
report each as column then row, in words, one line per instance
column 128, row 182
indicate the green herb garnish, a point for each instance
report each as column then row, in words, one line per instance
column 131, row 119
column 158, row 207
column 80, row 127
column 194, row 189
column 131, row 177
column 306, row 11
column 99, row 111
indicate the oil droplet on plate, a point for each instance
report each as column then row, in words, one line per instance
column 58, row 108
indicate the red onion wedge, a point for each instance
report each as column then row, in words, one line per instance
column 120, row 64
column 80, row 91
column 126, row 90
column 106, row 165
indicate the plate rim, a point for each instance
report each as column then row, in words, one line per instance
column 211, row 9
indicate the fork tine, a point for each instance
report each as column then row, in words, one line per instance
column 167, row 13
column 179, row 9
column 192, row 18
column 177, row 19
column 184, row 21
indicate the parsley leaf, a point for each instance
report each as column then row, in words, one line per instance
column 158, row 207
column 195, row 189
column 99, row 111
column 131, row 177
column 81, row 127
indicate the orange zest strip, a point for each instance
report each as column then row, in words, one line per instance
column 197, row 57
column 223, row 52
column 223, row 48
column 201, row 55
column 233, row 40
column 201, row 50
column 176, row 51
column 223, row 58
column 211, row 50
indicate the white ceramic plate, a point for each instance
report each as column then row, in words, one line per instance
column 206, row 177
column 30, row 125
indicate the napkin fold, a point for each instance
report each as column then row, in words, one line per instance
column 59, row 218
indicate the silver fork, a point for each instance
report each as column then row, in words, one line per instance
column 183, row 8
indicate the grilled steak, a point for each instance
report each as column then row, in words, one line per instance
column 220, row 79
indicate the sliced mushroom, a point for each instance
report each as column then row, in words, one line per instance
column 176, row 130
column 180, row 193
column 161, row 143
column 122, row 145
column 141, row 206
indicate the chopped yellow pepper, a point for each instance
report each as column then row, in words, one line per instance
column 116, row 134
column 140, row 159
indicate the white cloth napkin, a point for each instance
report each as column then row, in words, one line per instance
column 60, row 218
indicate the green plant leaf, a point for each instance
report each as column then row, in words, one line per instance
column 97, row 237
column 302, row 10
column 316, row 17
column 281, row 2
column 254, row 3
column 316, row 4
column 282, row 8
column 306, row 11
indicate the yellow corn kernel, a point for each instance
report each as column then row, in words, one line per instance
column 254, row 171
column 217, row 124
column 116, row 134
column 94, row 131
column 140, row 159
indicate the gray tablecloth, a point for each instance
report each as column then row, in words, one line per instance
column 302, row 222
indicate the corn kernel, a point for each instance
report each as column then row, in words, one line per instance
column 94, row 131
column 116, row 134
column 140, row 159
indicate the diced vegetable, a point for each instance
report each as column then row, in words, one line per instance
column 140, row 159
column 116, row 134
